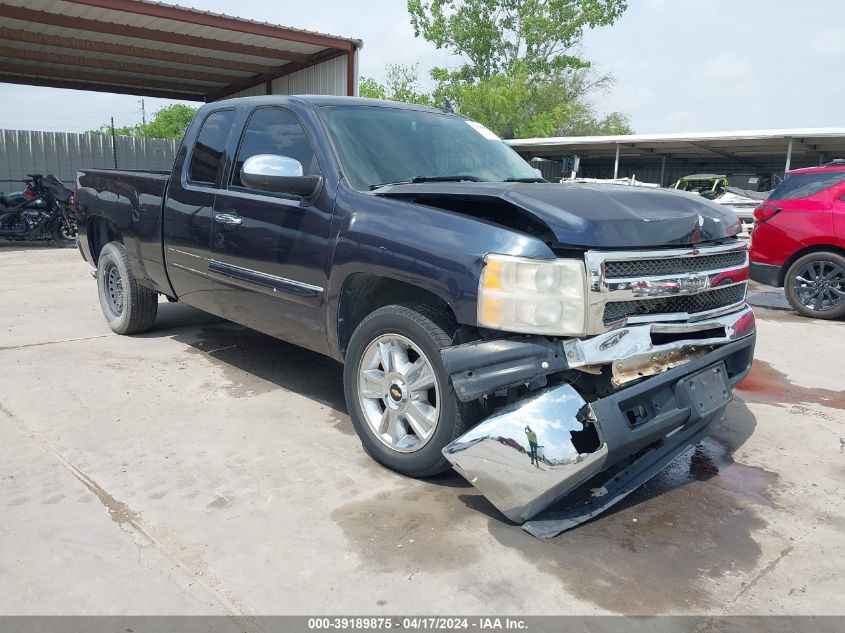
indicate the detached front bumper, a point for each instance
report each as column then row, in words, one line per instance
column 577, row 440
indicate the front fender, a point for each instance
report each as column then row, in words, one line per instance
column 438, row 251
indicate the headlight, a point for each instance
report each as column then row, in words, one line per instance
column 533, row 296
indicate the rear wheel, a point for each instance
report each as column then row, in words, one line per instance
column 64, row 235
column 815, row 285
column 398, row 393
column 129, row 307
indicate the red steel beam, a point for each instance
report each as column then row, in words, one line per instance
column 101, row 87
column 136, row 52
column 124, row 30
column 218, row 21
column 100, row 77
column 8, row 52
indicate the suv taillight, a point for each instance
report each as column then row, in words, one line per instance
column 765, row 212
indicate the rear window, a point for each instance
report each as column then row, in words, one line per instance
column 802, row 185
column 208, row 150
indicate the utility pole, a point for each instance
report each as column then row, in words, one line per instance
column 113, row 144
column 143, row 113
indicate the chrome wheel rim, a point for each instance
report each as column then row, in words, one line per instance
column 820, row 285
column 114, row 290
column 398, row 393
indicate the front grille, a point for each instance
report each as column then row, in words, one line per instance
column 702, row 302
column 672, row 265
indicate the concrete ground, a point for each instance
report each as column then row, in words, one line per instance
column 206, row 468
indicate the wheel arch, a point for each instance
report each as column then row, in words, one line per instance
column 815, row 248
column 100, row 232
column 363, row 293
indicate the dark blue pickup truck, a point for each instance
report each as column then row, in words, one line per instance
column 532, row 335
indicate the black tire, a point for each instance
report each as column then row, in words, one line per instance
column 828, row 309
column 431, row 329
column 136, row 312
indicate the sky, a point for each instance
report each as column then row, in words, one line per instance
column 679, row 66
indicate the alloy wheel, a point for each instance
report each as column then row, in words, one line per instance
column 820, row 285
column 398, row 393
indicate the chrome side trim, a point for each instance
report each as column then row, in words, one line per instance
column 181, row 252
column 190, row 270
column 263, row 279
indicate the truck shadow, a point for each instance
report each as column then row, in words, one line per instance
column 253, row 362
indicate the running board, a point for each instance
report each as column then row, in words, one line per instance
column 550, row 524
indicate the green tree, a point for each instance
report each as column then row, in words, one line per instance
column 521, row 73
column 167, row 122
column 538, row 37
column 401, row 84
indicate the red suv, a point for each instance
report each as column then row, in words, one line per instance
column 799, row 240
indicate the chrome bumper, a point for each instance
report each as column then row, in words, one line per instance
column 496, row 458
column 577, row 440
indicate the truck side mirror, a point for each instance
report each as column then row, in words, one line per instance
column 278, row 174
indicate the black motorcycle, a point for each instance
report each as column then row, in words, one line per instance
column 42, row 211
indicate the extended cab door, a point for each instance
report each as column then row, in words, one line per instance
column 189, row 207
column 269, row 251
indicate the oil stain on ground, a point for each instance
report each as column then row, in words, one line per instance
column 767, row 385
column 418, row 528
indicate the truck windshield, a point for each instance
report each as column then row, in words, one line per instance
column 378, row 145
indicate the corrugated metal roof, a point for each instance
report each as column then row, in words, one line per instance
column 733, row 145
column 153, row 46
column 735, row 135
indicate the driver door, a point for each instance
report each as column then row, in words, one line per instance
column 269, row 251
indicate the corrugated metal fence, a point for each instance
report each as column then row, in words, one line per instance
column 62, row 153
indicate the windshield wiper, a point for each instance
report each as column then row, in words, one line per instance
column 419, row 179
column 530, row 179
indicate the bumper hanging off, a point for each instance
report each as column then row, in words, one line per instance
column 539, row 450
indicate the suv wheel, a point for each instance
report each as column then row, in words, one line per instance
column 398, row 393
column 815, row 285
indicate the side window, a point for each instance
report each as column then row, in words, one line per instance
column 275, row 131
column 797, row 186
column 208, row 150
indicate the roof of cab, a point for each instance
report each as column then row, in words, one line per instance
column 319, row 100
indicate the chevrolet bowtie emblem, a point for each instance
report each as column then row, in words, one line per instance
column 692, row 284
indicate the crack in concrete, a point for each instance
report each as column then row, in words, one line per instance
column 66, row 340
column 125, row 517
column 763, row 572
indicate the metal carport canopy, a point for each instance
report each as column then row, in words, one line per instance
column 742, row 145
column 154, row 49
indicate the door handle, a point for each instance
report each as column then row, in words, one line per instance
column 228, row 219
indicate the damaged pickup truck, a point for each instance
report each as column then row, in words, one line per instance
column 534, row 336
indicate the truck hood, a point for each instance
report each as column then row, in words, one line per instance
column 582, row 215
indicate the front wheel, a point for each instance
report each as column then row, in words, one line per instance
column 815, row 285
column 129, row 307
column 398, row 393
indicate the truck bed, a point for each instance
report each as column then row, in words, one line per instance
column 132, row 201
